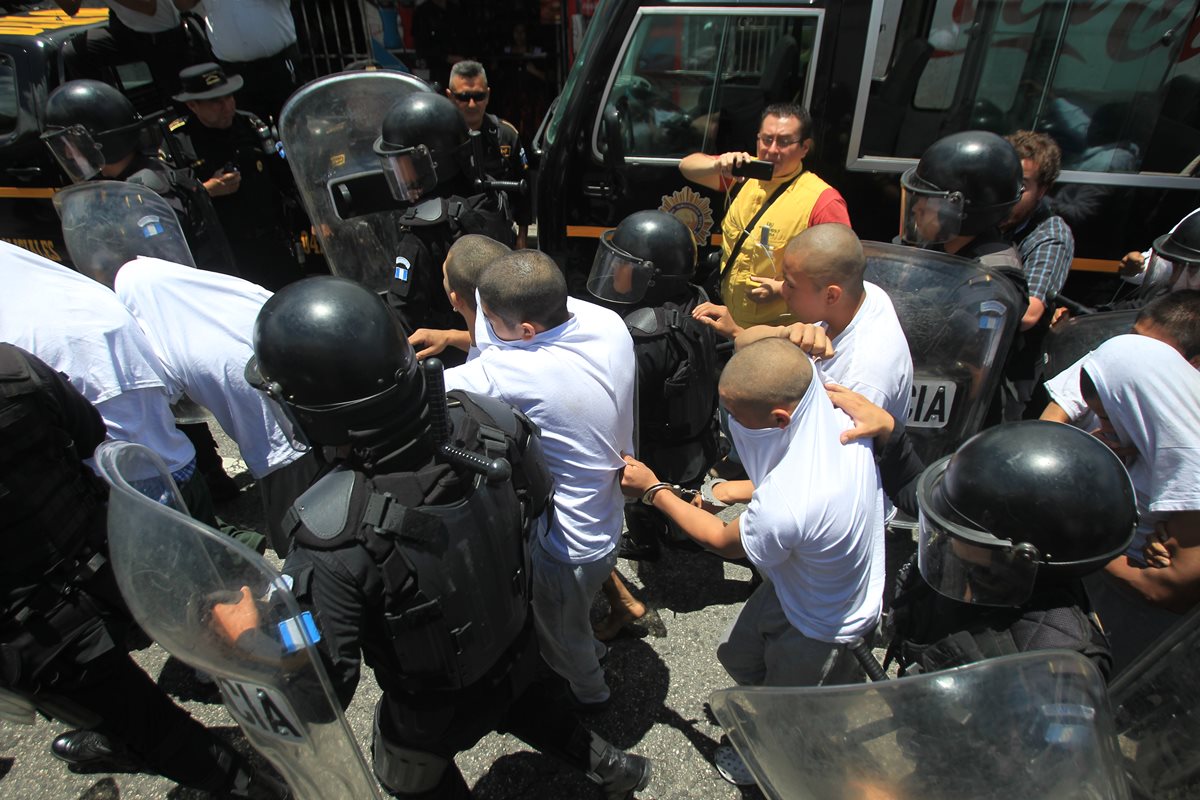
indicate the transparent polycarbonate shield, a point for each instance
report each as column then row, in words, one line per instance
column 1070, row 341
column 1032, row 725
column 1157, row 703
column 960, row 319
column 219, row 607
column 107, row 224
column 328, row 129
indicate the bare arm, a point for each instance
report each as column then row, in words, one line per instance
column 1175, row 587
column 724, row 539
column 715, row 172
column 812, row 339
column 1033, row 313
column 1054, row 413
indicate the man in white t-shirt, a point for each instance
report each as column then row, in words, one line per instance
column 201, row 325
column 823, row 284
column 257, row 40
column 813, row 528
column 1172, row 318
column 572, row 371
column 81, row 329
column 138, row 30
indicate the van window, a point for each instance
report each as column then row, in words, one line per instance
column 693, row 80
column 9, row 105
column 1117, row 84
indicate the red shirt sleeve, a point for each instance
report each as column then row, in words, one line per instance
column 830, row 207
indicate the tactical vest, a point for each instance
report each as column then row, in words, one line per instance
column 682, row 409
column 46, row 494
column 456, row 575
column 426, row 233
column 932, row 632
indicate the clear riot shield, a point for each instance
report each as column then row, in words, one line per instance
column 960, row 319
column 1029, row 725
column 109, row 223
column 328, row 128
column 182, row 581
column 1157, row 702
column 1070, row 341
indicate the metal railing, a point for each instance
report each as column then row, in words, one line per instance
column 332, row 34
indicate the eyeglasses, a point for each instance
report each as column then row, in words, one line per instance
column 767, row 140
column 466, row 97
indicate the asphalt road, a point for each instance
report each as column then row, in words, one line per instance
column 661, row 671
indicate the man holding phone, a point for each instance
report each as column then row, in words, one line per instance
column 770, row 209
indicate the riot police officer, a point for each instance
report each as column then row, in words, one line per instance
column 92, row 129
column 428, row 164
column 1009, row 524
column 414, row 552
column 957, row 195
column 64, row 629
column 643, row 270
column 234, row 154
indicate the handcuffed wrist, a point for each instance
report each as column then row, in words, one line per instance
column 648, row 495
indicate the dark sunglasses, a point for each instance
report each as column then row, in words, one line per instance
column 466, row 97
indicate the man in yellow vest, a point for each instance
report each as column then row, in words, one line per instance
column 750, row 285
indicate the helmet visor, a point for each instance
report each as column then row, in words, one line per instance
column 928, row 215
column 75, row 151
column 617, row 276
column 410, row 173
column 965, row 565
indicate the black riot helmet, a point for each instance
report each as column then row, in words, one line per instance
column 963, row 185
column 1182, row 245
column 1018, row 503
column 422, row 144
column 649, row 258
column 90, row 124
column 334, row 356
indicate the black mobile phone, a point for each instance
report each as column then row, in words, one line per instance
column 755, row 168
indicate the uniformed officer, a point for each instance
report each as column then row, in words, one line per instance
column 425, row 152
column 413, row 552
column 504, row 157
column 63, row 625
column 234, row 154
column 92, row 129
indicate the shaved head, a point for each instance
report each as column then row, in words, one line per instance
column 828, row 254
column 772, row 373
column 466, row 261
column 525, row 286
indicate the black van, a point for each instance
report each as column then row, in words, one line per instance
column 1117, row 82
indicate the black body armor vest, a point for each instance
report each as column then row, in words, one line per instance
column 456, row 573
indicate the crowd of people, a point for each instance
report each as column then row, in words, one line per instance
column 456, row 541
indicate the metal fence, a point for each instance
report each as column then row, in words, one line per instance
column 333, row 34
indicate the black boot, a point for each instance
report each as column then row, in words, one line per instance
column 89, row 751
column 619, row 774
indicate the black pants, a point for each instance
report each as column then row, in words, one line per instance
column 71, row 664
column 268, row 82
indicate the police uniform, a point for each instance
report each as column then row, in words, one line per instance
column 504, row 159
column 256, row 217
column 426, row 574
column 63, row 625
column 191, row 203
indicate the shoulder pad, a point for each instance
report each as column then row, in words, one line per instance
column 498, row 412
column 646, row 322
column 152, row 179
column 429, row 212
column 325, row 507
column 16, row 376
column 506, row 124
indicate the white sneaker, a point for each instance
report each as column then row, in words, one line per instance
column 731, row 766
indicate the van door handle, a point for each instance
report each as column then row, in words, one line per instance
column 600, row 191
column 24, row 173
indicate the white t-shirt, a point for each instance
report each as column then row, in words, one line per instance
column 576, row 383
column 165, row 17
column 201, row 326
column 247, row 30
column 1151, row 395
column 871, row 355
column 814, row 525
column 81, row 329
